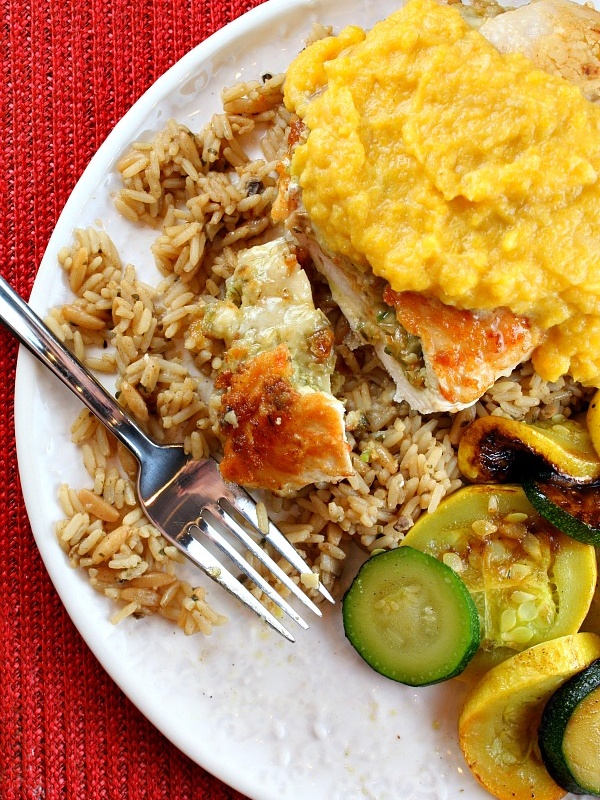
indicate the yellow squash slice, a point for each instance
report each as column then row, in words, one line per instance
column 496, row 450
column 518, row 567
column 498, row 726
column 593, row 421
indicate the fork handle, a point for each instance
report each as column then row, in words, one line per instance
column 25, row 324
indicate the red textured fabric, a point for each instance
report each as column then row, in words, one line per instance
column 70, row 69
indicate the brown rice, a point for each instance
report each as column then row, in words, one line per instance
column 207, row 198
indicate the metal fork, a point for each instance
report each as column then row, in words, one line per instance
column 185, row 499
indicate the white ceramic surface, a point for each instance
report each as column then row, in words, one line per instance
column 276, row 721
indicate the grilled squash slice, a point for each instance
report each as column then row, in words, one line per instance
column 574, row 510
column 498, row 726
column 569, row 733
column 593, row 421
column 497, row 450
column 517, row 566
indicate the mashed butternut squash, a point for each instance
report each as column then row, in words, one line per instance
column 455, row 171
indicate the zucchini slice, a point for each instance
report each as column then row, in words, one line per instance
column 499, row 723
column 569, row 733
column 411, row 618
column 574, row 510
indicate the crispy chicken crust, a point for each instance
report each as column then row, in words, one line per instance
column 276, row 436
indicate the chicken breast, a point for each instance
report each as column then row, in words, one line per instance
column 282, row 428
column 279, row 435
column 559, row 36
column 440, row 358
column 465, row 350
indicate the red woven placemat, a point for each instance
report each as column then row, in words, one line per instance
column 70, row 70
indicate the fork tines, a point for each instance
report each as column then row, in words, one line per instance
column 222, row 520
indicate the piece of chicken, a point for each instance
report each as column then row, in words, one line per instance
column 440, row 358
column 282, row 427
column 559, row 36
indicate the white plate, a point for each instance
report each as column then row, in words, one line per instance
column 276, row 721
